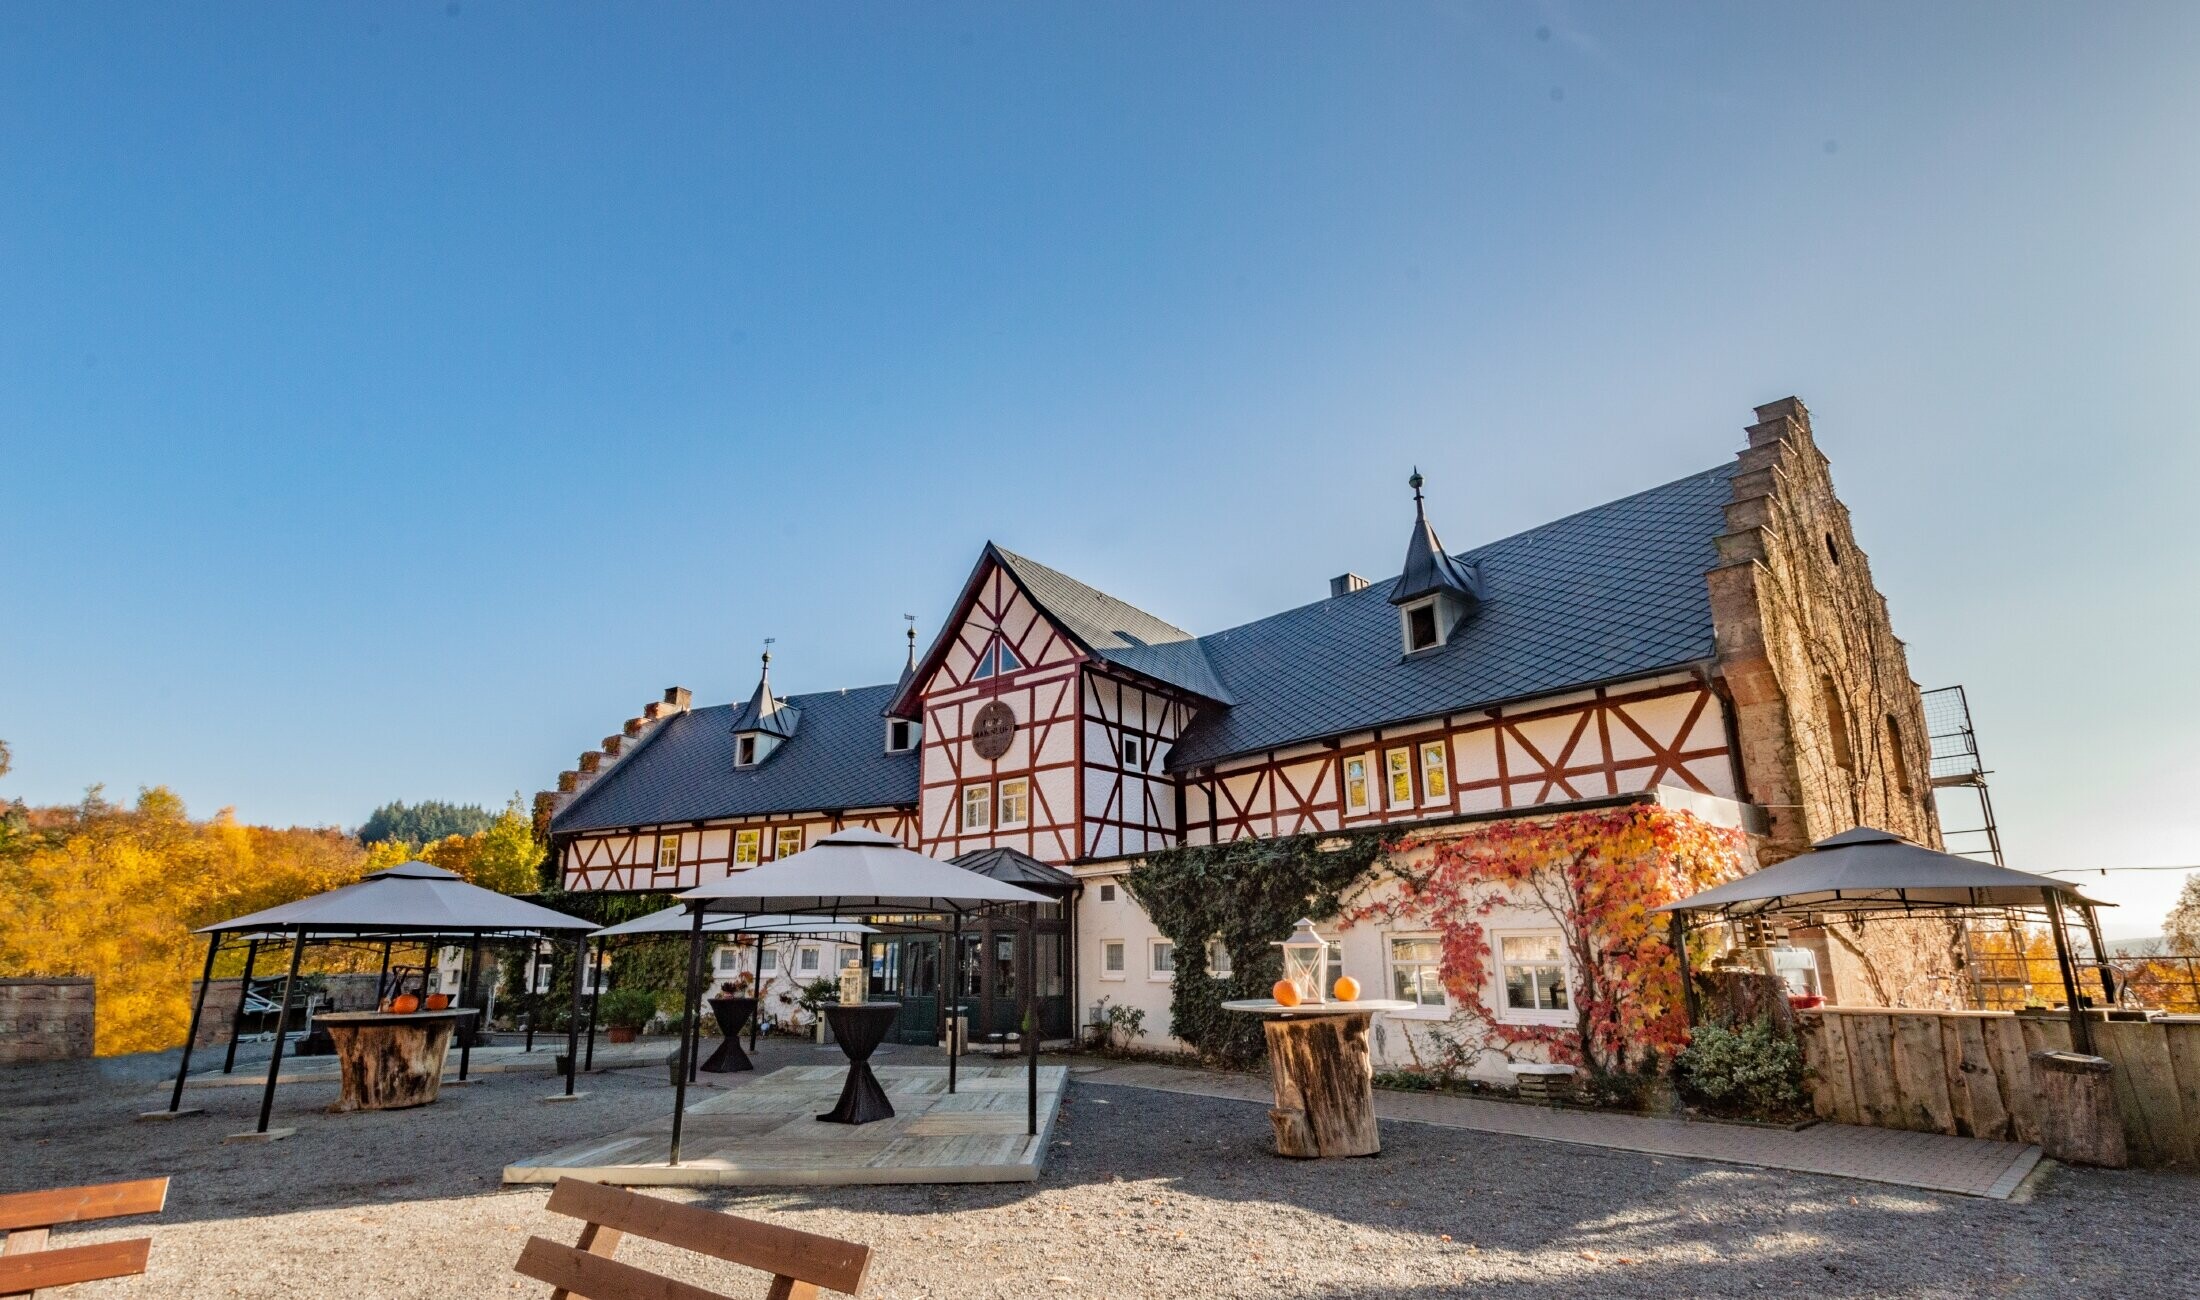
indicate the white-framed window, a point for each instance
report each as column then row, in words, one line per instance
column 1435, row 772
column 997, row 659
column 1111, row 959
column 1107, row 893
column 788, row 842
column 977, row 811
column 767, row 961
column 748, row 845
column 1531, row 977
column 543, row 972
column 1130, row 753
column 668, row 852
column 808, row 963
column 744, row 751
column 1160, row 960
column 1014, row 805
column 1355, row 784
column 1422, row 628
column 727, row 961
column 1218, row 959
column 901, row 735
column 1416, row 970
column 1398, row 776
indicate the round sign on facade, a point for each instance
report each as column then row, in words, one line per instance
column 992, row 729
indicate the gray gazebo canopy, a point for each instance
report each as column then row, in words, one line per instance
column 1870, row 870
column 677, row 920
column 1870, row 873
column 851, row 872
column 856, row 872
column 412, row 898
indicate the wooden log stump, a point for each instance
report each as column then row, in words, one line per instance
column 1325, row 1094
column 2079, row 1123
column 389, row 1062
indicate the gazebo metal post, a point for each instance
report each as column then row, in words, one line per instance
column 954, row 1003
column 573, row 1020
column 213, row 944
column 1678, row 938
column 2081, row 1025
column 381, row 982
column 756, row 990
column 1030, row 1000
column 282, row 1026
column 2100, row 952
column 244, row 990
column 465, row 991
column 427, row 964
column 595, row 991
column 687, row 1012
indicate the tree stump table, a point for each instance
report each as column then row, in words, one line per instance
column 390, row 1061
column 1325, row 1092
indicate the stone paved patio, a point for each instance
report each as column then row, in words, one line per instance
column 1967, row 1166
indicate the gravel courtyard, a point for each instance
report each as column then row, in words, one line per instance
column 1145, row 1194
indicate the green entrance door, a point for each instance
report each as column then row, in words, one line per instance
column 905, row 968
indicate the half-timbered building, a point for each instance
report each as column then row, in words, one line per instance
column 1713, row 644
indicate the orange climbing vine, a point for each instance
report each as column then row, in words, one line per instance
column 1598, row 874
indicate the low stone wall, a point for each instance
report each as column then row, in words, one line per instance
column 1970, row 1073
column 45, row 1020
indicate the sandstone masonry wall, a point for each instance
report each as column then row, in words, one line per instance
column 45, row 1020
column 1829, row 725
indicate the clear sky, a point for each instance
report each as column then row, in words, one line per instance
column 395, row 397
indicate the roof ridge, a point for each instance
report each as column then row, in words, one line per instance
column 1066, row 577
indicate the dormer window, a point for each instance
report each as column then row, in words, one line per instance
column 744, row 751
column 1434, row 591
column 1423, row 631
column 901, row 735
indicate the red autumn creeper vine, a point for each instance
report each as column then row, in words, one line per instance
column 1598, row 874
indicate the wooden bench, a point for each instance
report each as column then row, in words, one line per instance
column 799, row 1262
column 27, row 1266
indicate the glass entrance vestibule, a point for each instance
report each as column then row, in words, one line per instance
column 999, row 952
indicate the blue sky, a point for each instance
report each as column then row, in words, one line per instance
column 394, row 398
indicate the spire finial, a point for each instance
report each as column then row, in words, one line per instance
column 768, row 656
column 911, row 619
column 1415, row 483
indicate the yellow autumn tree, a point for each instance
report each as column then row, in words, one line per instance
column 113, row 893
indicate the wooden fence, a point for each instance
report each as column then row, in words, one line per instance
column 1970, row 1073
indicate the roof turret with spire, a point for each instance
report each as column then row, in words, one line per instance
column 764, row 721
column 1428, row 569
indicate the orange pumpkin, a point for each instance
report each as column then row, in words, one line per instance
column 439, row 1001
column 404, row 1004
column 1286, row 993
column 1347, row 989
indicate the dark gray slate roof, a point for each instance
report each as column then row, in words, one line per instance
column 1613, row 592
column 1017, row 868
column 683, row 770
column 1117, row 632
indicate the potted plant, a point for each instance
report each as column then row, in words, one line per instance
column 815, row 995
column 626, row 1011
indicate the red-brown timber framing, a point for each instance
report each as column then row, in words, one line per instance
column 625, row 858
column 1581, row 745
column 1041, row 692
column 1138, row 808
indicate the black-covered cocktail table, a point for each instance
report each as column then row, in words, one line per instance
column 731, row 1014
column 860, row 1027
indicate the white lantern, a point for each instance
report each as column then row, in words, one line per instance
column 1306, row 961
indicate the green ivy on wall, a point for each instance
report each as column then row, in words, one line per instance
column 1248, row 893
